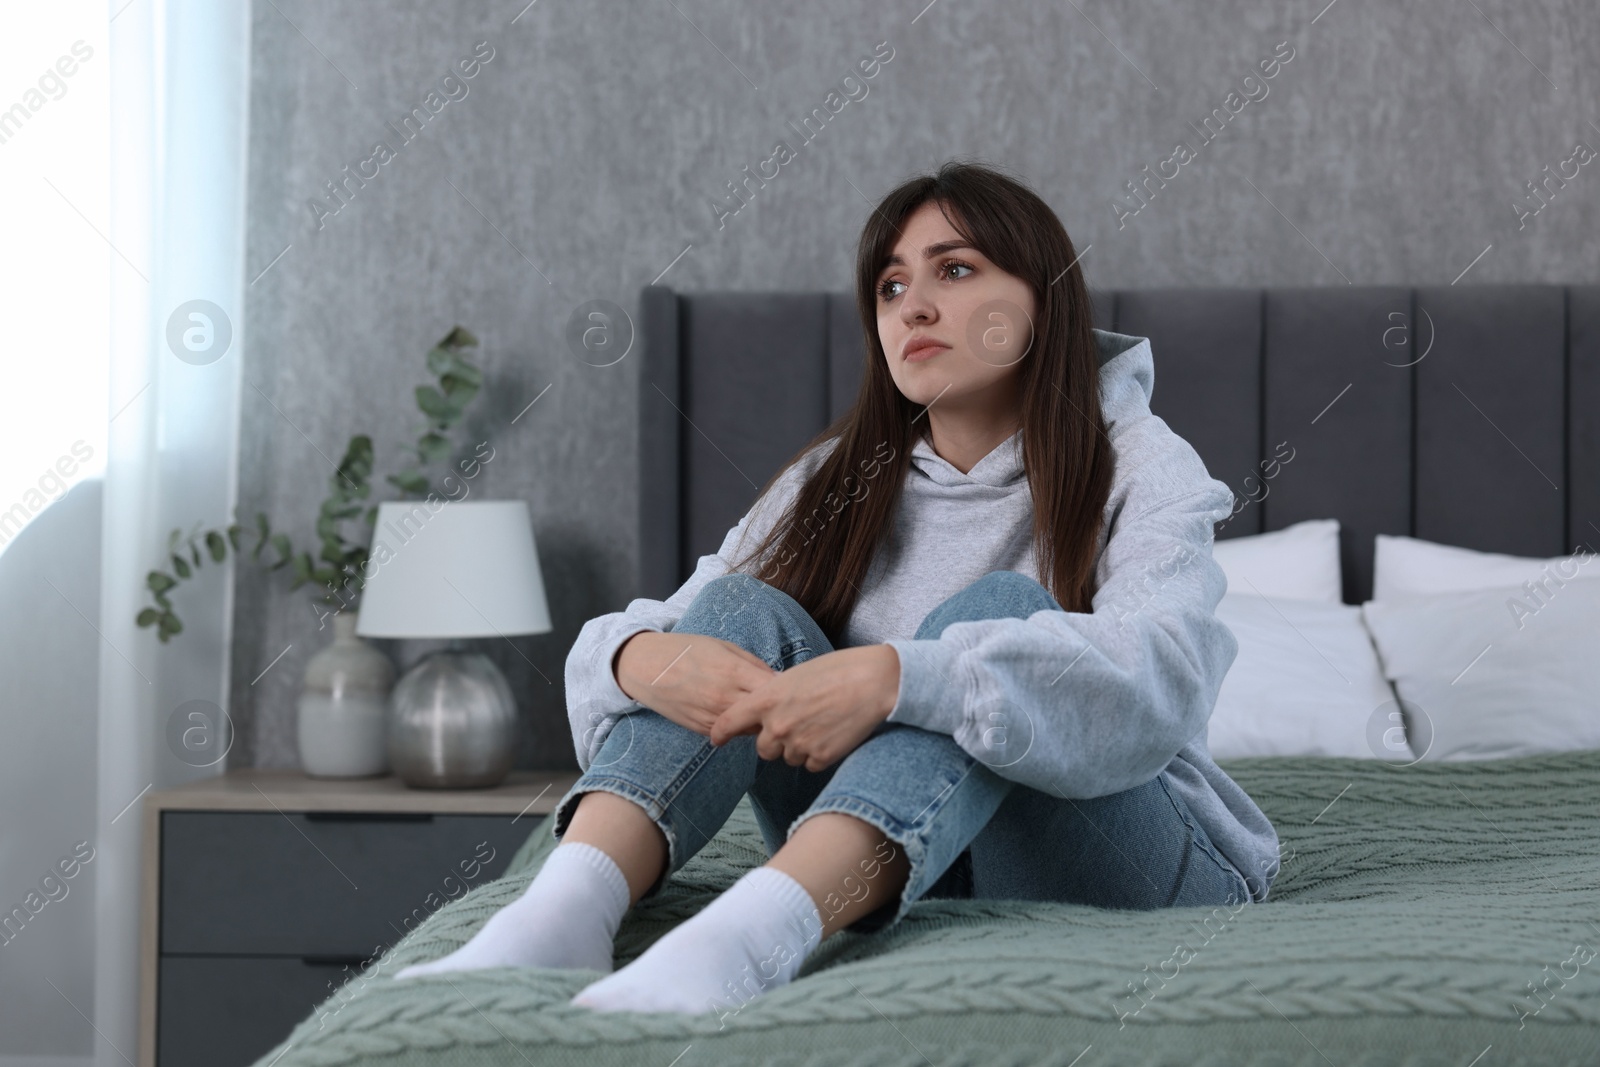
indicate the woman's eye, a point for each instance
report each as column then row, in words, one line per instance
column 884, row 286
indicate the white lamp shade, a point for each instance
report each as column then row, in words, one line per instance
column 453, row 569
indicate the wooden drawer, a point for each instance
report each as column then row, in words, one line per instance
column 318, row 884
column 220, row 1011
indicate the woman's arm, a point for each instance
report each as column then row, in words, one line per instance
column 1086, row 704
column 818, row 712
column 594, row 699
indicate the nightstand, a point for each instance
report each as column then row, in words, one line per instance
column 264, row 891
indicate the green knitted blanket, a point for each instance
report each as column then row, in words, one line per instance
column 1424, row 916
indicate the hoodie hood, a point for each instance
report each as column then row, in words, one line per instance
column 1127, row 381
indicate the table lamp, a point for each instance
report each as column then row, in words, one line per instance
column 455, row 570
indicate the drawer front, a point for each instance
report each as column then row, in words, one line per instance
column 222, row 1012
column 319, row 884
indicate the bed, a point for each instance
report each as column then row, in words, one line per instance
column 1425, row 913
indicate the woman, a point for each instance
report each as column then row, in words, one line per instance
column 963, row 645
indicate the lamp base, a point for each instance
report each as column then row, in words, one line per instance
column 452, row 723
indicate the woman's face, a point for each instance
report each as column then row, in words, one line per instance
column 936, row 287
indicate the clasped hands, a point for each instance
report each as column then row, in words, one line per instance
column 813, row 714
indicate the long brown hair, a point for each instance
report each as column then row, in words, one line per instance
column 822, row 560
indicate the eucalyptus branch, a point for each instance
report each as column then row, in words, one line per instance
column 444, row 404
column 338, row 565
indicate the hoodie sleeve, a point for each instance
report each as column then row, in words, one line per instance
column 1086, row 704
column 595, row 702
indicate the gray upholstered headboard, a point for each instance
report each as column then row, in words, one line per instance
column 1466, row 415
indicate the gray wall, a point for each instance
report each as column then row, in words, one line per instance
column 589, row 151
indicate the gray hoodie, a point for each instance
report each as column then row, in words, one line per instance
column 1089, row 703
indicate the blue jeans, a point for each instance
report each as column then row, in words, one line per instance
column 968, row 832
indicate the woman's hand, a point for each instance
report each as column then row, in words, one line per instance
column 817, row 712
column 688, row 678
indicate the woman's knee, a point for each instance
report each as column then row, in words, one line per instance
column 741, row 608
column 1006, row 588
column 725, row 598
column 736, row 590
column 996, row 595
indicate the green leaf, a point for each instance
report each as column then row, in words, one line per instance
column 181, row 565
column 458, row 391
column 170, row 625
column 466, row 370
column 148, row 617
column 355, row 468
column 458, row 337
column 233, row 539
column 302, row 568
column 410, row 481
column 433, row 447
column 172, row 539
column 159, row 581
column 440, row 360
column 433, row 404
column 358, row 453
column 194, row 551
column 372, row 515
column 280, row 542
column 263, row 535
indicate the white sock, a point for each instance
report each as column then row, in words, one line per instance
column 567, row 917
column 751, row 939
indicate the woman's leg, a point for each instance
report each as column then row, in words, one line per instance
column 875, row 833
column 1138, row 849
column 759, row 931
column 654, row 794
column 922, row 794
column 625, row 832
column 684, row 786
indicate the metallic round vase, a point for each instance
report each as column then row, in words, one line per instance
column 452, row 723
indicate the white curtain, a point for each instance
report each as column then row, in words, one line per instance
column 179, row 98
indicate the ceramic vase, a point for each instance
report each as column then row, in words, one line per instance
column 342, row 724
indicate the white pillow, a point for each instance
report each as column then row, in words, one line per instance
column 1409, row 566
column 1306, row 682
column 1299, row 562
column 1494, row 672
